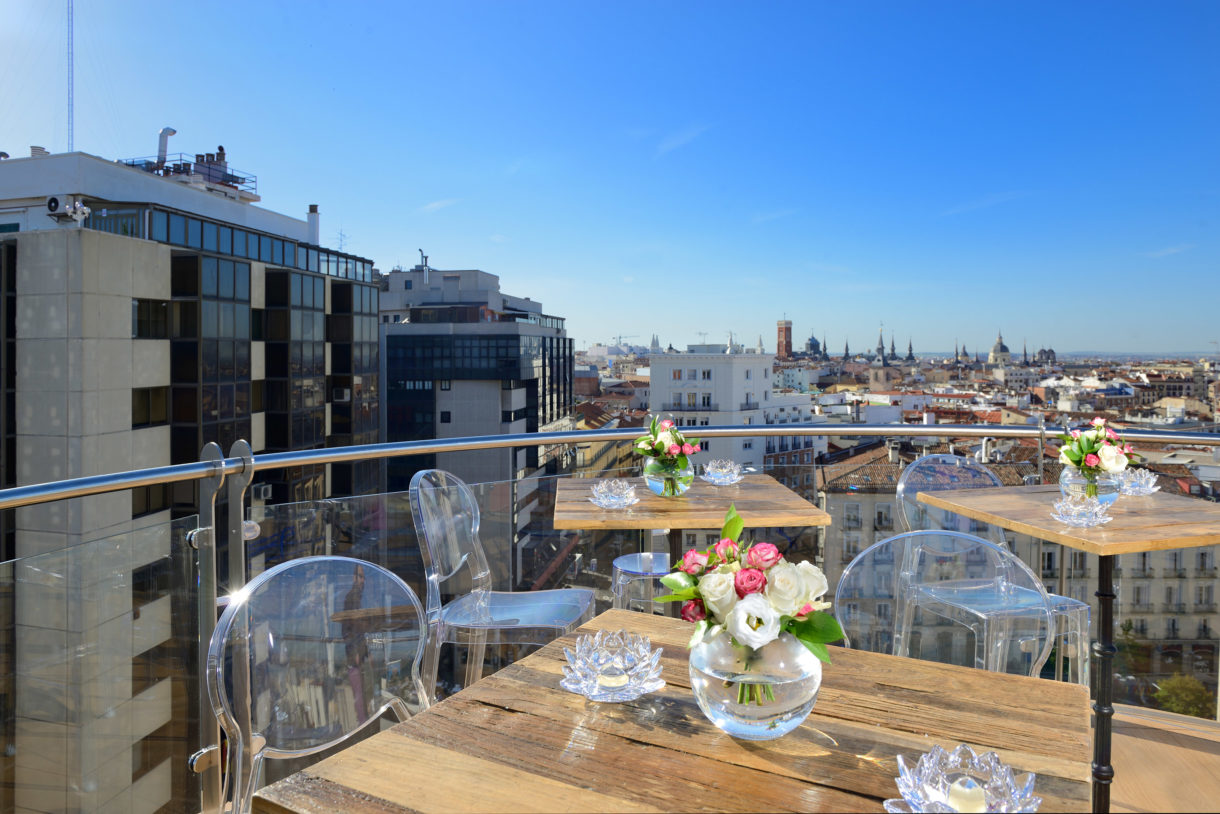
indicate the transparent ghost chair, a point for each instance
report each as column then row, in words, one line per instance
column 447, row 523
column 946, row 596
column 934, row 473
column 307, row 654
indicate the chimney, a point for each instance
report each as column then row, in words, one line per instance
column 37, row 151
column 315, row 227
column 163, row 144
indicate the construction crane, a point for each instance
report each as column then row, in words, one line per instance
column 618, row 340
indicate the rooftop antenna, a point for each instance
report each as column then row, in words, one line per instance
column 71, row 62
column 342, row 238
column 702, row 335
column 423, row 261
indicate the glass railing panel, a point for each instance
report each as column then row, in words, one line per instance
column 100, row 674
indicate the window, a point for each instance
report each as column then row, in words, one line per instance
column 690, row 399
column 149, row 406
column 707, row 375
column 446, row 416
column 408, row 286
column 149, row 319
column 747, row 445
column 691, row 375
column 446, row 384
column 677, row 375
column 703, row 422
column 706, row 400
column 748, row 372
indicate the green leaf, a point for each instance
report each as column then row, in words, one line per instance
column 817, row 627
column 733, row 524
column 678, row 581
column 680, row 596
column 818, row 649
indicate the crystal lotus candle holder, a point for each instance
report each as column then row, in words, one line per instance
column 722, row 472
column 1081, row 512
column 960, row 781
column 616, row 666
column 1137, row 482
column 613, row 494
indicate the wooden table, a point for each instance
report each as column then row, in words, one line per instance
column 516, row 741
column 761, row 500
column 1153, row 523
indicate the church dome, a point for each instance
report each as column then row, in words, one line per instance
column 999, row 346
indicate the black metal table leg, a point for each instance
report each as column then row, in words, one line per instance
column 675, row 546
column 1103, row 704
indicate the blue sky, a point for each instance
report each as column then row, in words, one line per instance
column 944, row 169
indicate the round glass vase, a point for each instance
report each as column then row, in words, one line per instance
column 755, row 694
column 666, row 478
column 1076, row 485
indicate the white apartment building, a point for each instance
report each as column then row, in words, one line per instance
column 710, row 386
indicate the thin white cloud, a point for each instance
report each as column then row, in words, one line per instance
column 680, row 139
column 497, row 238
column 628, row 279
column 986, row 202
column 763, row 217
column 437, row 205
column 1168, row 250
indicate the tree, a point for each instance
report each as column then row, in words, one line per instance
column 1186, row 695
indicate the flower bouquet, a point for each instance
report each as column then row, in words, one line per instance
column 1092, row 453
column 754, row 597
column 668, row 471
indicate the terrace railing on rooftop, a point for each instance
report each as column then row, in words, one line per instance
column 100, row 699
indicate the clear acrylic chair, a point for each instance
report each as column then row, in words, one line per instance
column 937, row 473
column 447, row 522
column 635, row 579
column 946, row 596
column 933, row 473
column 307, row 654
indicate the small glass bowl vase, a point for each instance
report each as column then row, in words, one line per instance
column 1075, row 485
column 962, row 781
column 613, row 494
column 665, row 478
column 755, row 694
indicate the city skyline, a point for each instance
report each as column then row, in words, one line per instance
column 947, row 169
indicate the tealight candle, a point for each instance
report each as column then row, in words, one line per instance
column 965, row 795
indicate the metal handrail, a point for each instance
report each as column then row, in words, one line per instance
column 101, row 484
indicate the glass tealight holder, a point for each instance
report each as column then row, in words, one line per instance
column 1081, row 512
column 1137, row 482
column 722, row 472
column 961, row 781
column 613, row 494
column 612, row 666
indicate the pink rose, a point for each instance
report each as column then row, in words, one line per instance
column 693, row 562
column 726, row 550
column 693, row 610
column 1128, row 449
column 763, row 555
column 687, row 449
column 805, row 610
column 1091, row 460
column 1075, row 433
column 1098, row 422
column 666, row 424
column 1111, row 434
column 674, row 449
column 749, row 581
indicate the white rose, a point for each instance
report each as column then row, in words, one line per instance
column 1112, row 459
column 785, row 588
column 665, row 438
column 719, row 595
column 1064, row 459
column 815, row 580
column 753, row 622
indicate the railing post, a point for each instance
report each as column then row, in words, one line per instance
column 237, row 508
column 205, row 541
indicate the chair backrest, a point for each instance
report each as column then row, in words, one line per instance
column 447, row 522
column 937, row 473
column 911, row 594
column 306, row 654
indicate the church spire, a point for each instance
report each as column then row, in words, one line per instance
column 910, row 351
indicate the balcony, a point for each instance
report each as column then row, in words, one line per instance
column 166, row 588
column 1173, row 607
column 1175, row 573
column 1140, row 607
column 1142, row 573
column 1206, row 573
column 753, row 405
